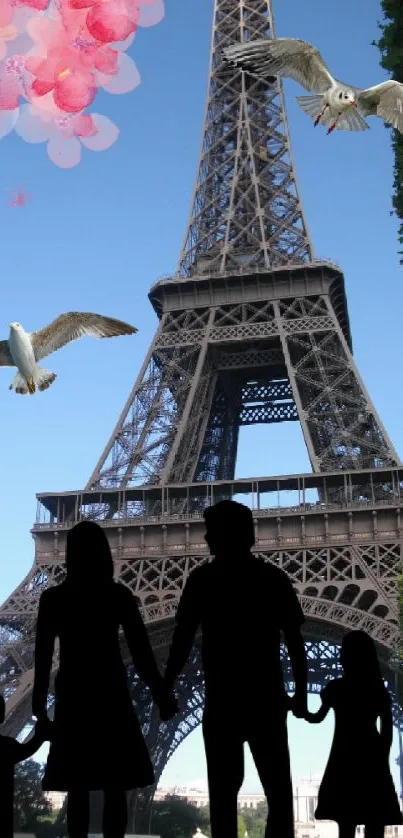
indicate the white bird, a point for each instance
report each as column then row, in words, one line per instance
column 335, row 104
column 23, row 349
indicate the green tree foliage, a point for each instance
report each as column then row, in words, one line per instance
column 391, row 47
column 174, row 817
column 32, row 812
column 241, row 826
column 255, row 820
column 205, row 820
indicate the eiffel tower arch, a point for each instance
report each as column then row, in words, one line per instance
column 251, row 329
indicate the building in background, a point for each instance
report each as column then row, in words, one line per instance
column 305, row 802
column 55, row 799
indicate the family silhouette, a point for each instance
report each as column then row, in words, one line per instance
column 244, row 607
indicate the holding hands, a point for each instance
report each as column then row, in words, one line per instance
column 298, row 704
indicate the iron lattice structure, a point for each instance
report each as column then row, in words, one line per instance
column 252, row 329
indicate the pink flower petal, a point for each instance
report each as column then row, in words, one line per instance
column 74, row 93
column 8, row 120
column 46, row 104
column 40, row 88
column 126, row 79
column 106, row 135
column 122, row 46
column 81, row 4
column 64, row 153
column 6, row 13
column 21, row 17
column 42, row 30
column 3, row 50
column 106, row 60
column 31, row 128
column 151, row 14
column 84, row 125
column 9, row 94
column 112, row 20
column 34, row 64
column 39, row 5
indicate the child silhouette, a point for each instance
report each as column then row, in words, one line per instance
column 11, row 752
column 357, row 786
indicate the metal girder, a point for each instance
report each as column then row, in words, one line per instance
column 246, row 208
column 183, row 422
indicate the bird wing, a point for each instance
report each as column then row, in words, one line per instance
column 288, row 57
column 5, row 355
column 73, row 325
column 384, row 100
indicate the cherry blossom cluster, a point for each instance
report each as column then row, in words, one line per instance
column 54, row 57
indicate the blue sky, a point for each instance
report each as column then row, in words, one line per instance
column 96, row 237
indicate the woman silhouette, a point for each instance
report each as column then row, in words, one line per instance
column 96, row 740
column 357, row 787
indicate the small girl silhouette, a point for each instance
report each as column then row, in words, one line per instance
column 357, row 786
column 12, row 752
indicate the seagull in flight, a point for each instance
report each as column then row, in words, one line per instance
column 334, row 104
column 24, row 349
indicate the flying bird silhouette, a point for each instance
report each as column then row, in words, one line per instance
column 335, row 104
column 24, row 349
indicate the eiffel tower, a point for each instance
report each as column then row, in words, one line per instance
column 251, row 329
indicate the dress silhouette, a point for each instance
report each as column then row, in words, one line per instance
column 97, row 742
column 241, row 605
column 357, row 786
column 12, row 752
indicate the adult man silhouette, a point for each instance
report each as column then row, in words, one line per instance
column 241, row 605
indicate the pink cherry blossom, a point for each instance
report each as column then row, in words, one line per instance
column 55, row 54
column 112, row 20
column 106, row 20
column 65, row 134
column 50, row 37
column 64, row 73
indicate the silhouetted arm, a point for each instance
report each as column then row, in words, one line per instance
column 315, row 718
column 328, row 696
column 188, row 618
column 386, row 731
column 44, row 645
column 139, row 645
column 296, row 650
column 292, row 619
